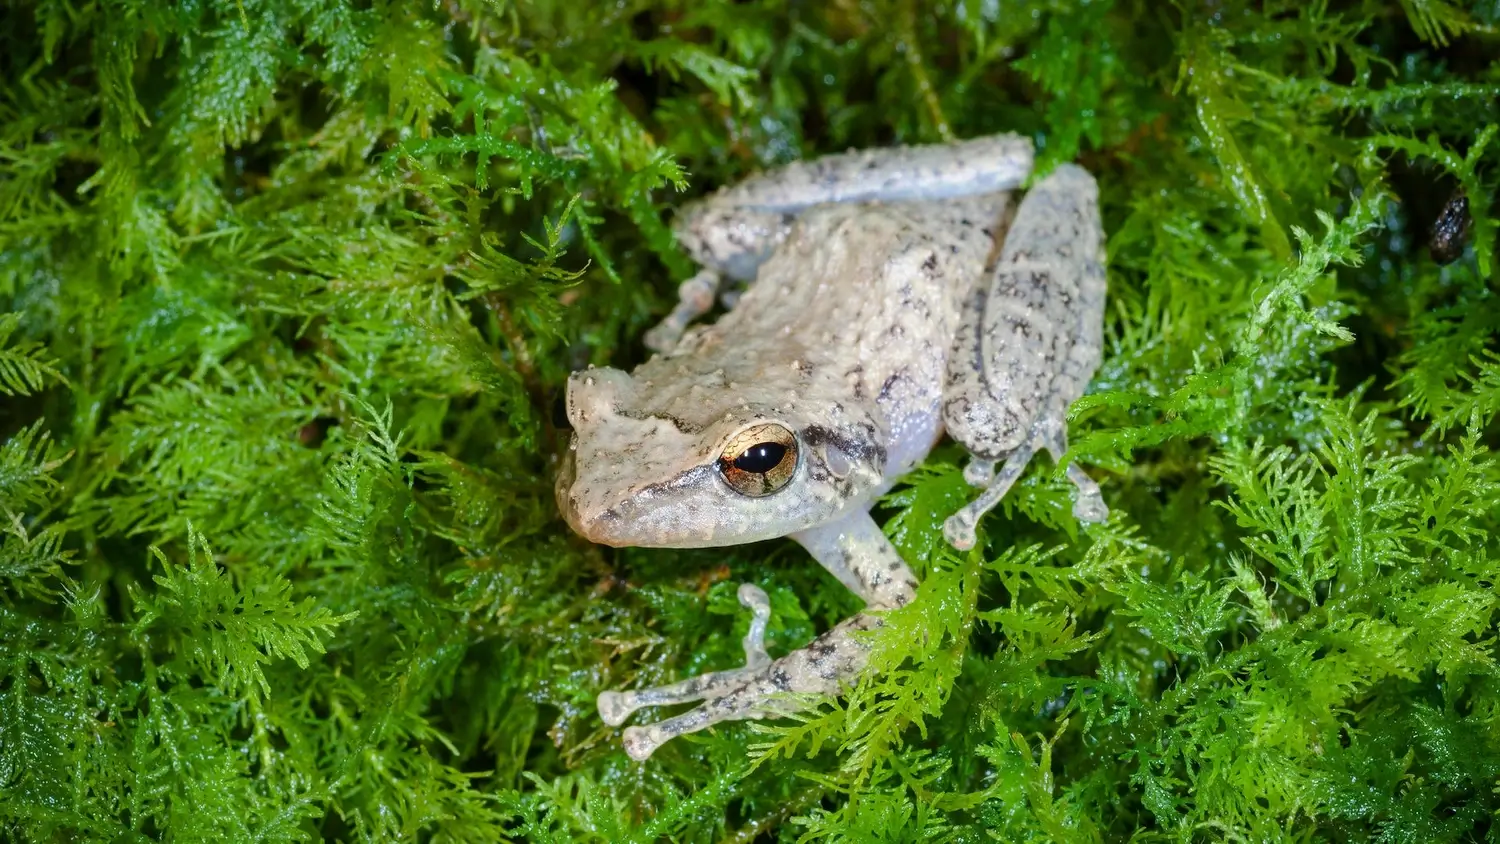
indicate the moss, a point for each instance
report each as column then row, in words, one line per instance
column 287, row 288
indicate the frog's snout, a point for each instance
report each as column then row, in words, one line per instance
column 567, row 473
column 595, row 523
column 599, row 527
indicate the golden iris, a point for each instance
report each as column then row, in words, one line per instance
column 759, row 460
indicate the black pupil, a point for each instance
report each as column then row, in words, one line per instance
column 760, row 458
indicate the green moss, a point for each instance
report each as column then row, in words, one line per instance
column 287, row 288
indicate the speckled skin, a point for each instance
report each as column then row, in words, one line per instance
column 880, row 315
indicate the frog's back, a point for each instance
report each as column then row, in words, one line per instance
column 866, row 299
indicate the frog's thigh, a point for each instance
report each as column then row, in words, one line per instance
column 1028, row 342
column 934, row 171
column 1032, row 332
column 731, row 232
column 735, row 229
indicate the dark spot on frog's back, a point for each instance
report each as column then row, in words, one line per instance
column 823, row 658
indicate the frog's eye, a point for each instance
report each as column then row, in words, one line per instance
column 759, row 460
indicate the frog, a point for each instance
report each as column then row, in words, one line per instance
column 879, row 300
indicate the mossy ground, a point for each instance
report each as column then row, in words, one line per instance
column 289, row 285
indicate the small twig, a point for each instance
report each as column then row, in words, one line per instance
column 524, row 365
column 913, row 54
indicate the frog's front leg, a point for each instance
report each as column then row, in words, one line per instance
column 1030, row 340
column 855, row 551
column 615, row 707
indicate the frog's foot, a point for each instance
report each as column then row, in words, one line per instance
column 1089, row 506
column 615, row 707
column 959, row 528
column 695, row 297
column 776, row 689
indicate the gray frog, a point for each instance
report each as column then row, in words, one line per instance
column 897, row 293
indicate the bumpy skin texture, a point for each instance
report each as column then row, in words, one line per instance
column 1030, row 340
column 882, row 311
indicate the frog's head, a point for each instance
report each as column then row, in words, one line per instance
column 707, row 464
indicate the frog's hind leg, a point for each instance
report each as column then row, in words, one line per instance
column 959, row 528
column 1029, row 340
column 1088, row 506
column 731, row 232
column 858, row 554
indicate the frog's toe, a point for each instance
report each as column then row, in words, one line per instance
column 754, row 598
column 639, row 742
column 1090, row 508
column 663, row 337
column 959, row 530
column 615, row 707
column 979, row 472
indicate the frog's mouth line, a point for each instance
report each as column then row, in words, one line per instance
column 604, row 527
column 642, row 520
